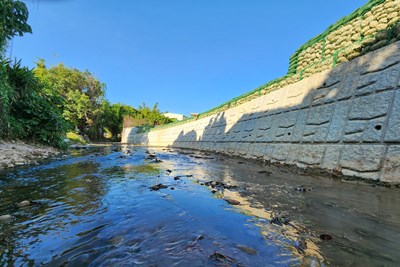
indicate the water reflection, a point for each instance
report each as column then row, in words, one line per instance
column 96, row 208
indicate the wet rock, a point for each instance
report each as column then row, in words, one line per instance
column 247, row 250
column 6, row 218
column 232, row 201
column 265, row 172
column 158, row 187
column 224, row 259
column 325, row 237
column 151, row 156
column 172, row 188
column 302, row 188
column 156, row 160
column 280, row 220
column 214, row 191
column 177, row 178
column 240, row 162
column 168, row 172
column 300, row 244
column 24, row 203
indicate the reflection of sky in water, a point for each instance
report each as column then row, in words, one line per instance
column 97, row 208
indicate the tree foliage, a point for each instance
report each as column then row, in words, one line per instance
column 13, row 20
column 82, row 94
column 29, row 111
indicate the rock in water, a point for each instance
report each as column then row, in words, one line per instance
column 6, row 218
column 24, row 203
column 158, row 187
column 232, row 201
column 247, row 250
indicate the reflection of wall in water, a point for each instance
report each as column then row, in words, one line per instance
column 345, row 119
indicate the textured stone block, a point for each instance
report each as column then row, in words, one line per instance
column 268, row 152
column 280, row 152
column 393, row 128
column 299, row 126
column 332, row 156
column 294, row 150
column 320, row 115
column 374, row 131
column 362, row 158
column 338, row 123
column 311, row 154
column 350, row 79
column 354, row 130
column 370, row 107
column 318, row 121
column 380, row 81
column 391, row 165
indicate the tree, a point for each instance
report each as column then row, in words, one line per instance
column 13, row 20
column 83, row 96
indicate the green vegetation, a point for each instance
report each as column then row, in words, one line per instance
column 43, row 104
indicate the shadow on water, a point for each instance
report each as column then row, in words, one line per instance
column 97, row 209
column 365, row 221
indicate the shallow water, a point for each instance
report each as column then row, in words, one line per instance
column 95, row 207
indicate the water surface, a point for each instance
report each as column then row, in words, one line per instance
column 95, row 207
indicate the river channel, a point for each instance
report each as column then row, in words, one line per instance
column 136, row 206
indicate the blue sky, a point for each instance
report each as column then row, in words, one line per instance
column 187, row 55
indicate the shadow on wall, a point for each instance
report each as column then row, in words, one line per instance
column 346, row 119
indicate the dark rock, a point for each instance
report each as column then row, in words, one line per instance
column 219, row 257
column 280, row 220
column 265, row 172
column 158, row 187
column 300, row 244
column 168, row 172
column 247, row 250
column 325, row 237
column 232, row 201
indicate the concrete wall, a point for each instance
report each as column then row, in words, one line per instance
column 346, row 119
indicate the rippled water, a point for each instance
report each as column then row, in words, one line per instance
column 95, row 207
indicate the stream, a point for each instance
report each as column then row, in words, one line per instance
column 119, row 205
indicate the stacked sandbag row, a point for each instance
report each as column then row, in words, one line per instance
column 348, row 41
column 380, row 17
column 310, row 55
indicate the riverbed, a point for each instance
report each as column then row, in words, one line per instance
column 136, row 206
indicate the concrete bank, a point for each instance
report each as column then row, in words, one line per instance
column 346, row 120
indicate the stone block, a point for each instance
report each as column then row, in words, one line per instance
column 370, row 107
column 373, row 132
column 382, row 59
column 268, row 151
column 391, row 165
column 332, row 156
column 338, row 123
column 362, row 158
column 393, row 128
column 320, row 115
column 311, row 154
column 294, row 150
column 350, row 79
column 354, row 131
column 299, row 126
column 280, row 152
column 378, row 81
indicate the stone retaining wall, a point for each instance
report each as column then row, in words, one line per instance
column 345, row 120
